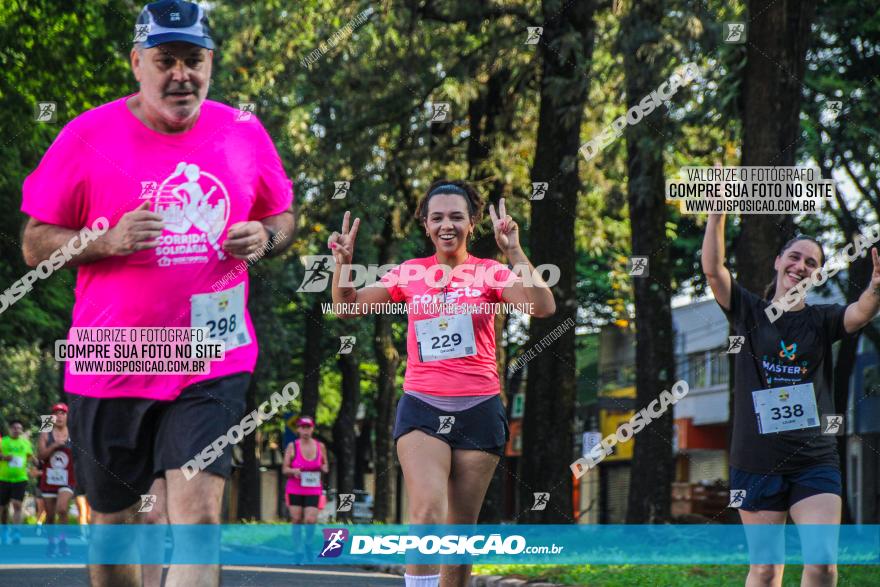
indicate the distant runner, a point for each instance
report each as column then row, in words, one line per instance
column 16, row 453
column 58, row 481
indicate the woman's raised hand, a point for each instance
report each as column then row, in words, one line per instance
column 342, row 244
column 505, row 227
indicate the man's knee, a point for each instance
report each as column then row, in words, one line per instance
column 202, row 514
column 126, row 516
column 155, row 516
column 205, row 517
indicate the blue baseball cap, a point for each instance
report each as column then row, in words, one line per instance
column 167, row 21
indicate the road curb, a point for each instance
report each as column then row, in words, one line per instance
column 476, row 580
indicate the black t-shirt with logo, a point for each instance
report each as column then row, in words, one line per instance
column 794, row 349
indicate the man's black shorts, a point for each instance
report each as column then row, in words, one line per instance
column 482, row 427
column 123, row 444
column 11, row 491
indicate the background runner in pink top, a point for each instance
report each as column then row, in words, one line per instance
column 294, row 484
column 105, row 163
column 473, row 375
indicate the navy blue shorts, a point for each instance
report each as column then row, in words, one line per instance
column 482, row 427
column 778, row 493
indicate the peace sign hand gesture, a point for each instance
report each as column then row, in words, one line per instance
column 342, row 244
column 506, row 229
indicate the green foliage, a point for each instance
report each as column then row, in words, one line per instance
column 661, row 576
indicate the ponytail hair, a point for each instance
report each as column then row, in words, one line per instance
column 771, row 287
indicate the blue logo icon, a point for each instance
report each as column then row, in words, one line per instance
column 334, row 542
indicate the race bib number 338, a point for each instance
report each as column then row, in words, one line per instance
column 786, row 408
column 222, row 313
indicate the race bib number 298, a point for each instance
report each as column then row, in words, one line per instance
column 222, row 313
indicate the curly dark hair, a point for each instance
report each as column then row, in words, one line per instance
column 464, row 189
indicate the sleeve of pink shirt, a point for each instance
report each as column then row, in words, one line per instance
column 54, row 192
column 390, row 281
column 502, row 276
column 274, row 190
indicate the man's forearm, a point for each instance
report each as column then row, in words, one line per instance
column 41, row 240
column 283, row 227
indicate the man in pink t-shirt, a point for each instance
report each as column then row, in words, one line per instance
column 190, row 188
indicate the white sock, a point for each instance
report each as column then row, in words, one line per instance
column 422, row 580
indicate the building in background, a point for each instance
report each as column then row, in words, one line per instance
column 862, row 420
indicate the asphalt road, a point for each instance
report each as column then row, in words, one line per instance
column 60, row 575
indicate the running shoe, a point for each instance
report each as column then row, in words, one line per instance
column 51, row 549
column 16, row 536
column 62, row 548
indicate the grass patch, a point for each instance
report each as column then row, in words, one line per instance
column 665, row 575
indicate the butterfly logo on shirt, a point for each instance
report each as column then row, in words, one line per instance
column 788, row 352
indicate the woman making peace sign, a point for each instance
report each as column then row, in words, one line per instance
column 451, row 426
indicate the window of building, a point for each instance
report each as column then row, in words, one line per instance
column 706, row 368
column 696, row 370
column 720, row 365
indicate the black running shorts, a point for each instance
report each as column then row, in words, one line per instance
column 11, row 491
column 482, row 427
column 122, row 444
column 308, row 501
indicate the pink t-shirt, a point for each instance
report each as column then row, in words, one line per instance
column 471, row 375
column 105, row 163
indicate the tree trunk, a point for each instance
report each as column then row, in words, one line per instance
column 484, row 113
column 363, row 453
column 313, row 358
column 650, row 496
column 388, row 359
column 249, row 475
column 778, row 35
column 343, row 429
column 548, row 426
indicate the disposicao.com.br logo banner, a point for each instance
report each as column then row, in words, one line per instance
column 281, row 544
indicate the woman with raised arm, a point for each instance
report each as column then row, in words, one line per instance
column 451, row 427
column 783, row 457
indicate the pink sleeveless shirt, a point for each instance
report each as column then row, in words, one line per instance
column 295, row 484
